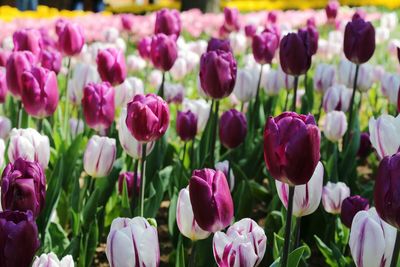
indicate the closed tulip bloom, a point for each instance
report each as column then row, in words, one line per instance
column 272, row 17
column 2, row 152
column 28, row 40
column 127, row 21
column 127, row 90
column 111, row 65
column 39, row 92
column 144, row 47
column 4, row 55
column 23, row 187
column 51, row 260
column 390, row 84
column 163, row 52
column 310, row 35
column 365, row 145
column 129, row 179
column 246, row 85
column 132, row 243
column 324, row 77
column 186, row 125
column 250, row 30
column 331, row 9
column 371, row 240
column 185, row 218
column 5, row 127
column 201, row 109
column 168, row 22
column 219, row 44
column 264, row 47
column 16, row 65
column 347, row 71
column 3, row 85
column 217, row 73
column 350, row 207
column 335, row 125
column 82, row 75
column 174, row 93
column 333, row 195
column 231, row 22
column 306, row 197
column 29, row 145
column 384, row 134
column 98, row 105
column 135, row 63
column 211, row 199
column 291, row 147
column 243, row 245
column 223, row 166
column 359, row 41
column 294, row 56
column 70, row 39
column 20, row 241
column 337, row 97
column 51, row 60
column 179, row 69
column 232, row 128
column 99, row 156
column 148, row 117
column 76, row 126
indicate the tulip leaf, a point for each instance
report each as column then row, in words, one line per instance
column 258, row 190
column 91, row 242
column 326, row 252
column 243, row 200
column 89, row 210
column 180, row 253
column 307, row 100
column 278, row 244
column 276, row 263
column 295, row 256
column 172, row 213
column 348, row 163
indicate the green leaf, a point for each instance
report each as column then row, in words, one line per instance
column 172, row 213
column 160, row 184
column 90, row 209
column 326, row 252
column 243, row 200
column 91, row 243
column 278, row 244
column 180, row 253
column 56, row 239
column 258, row 191
column 276, row 263
column 295, row 256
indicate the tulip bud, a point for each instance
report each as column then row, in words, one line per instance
column 211, row 199
column 82, row 75
column 129, row 178
column 5, row 127
column 390, row 84
column 186, row 125
column 335, row 125
column 337, row 97
column 371, row 240
column 29, row 145
column 127, row 21
column 144, row 47
column 333, row 195
column 359, row 41
column 127, row 90
column 350, row 207
column 384, row 134
column 3, row 86
column 135, row 63
column 272, row 17
column 132, row 243
column 365, row 145
column 291, row 147
column 16, row 65
column 201, row 109
column 306, row 197
column 250, row 30
column 243, row 245
column 179, row 69
column 163, row 52
column 347, row 72
column 223, row 166
column 70, row 38
column 51, row 60
column 4, row 55
column 185, row 218
column 111, row 65
column 264, row 47
column 311, row 22
column 174, row 93
column 28, row 40
column 232, row 128
column 310, row 35
column 294, row 56
column 331, row 10
column 231, row 16
column 219, row 44
column 324, row 77
column 76, row 127
column 99, row 156
column 19, row 238
column 51, row 260
column 246, row 85
column 98, row 105
column 273, row 83
column 168, row 22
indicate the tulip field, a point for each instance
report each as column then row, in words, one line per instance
column 172, row 138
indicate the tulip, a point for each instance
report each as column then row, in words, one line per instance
column 277, row 80
column 76, row 126
column 264, row 47
column 148, row 117
column 51, row 260
column 111, row 66
column 99, row 156
column 129, row 178
column 2, row 151
column 250, row 30
column 82, row 75
column 135, row 63
column 365, row 145
column 384, row 134
column 231, row 22
column 311, row 22
column 39, row 92
column 359, row 14
column 179, row 69
column 306, row 197
column 185, row 218
column 389, row 20
column 219, row 44
column 144, row 47
column 51, row 60
column 168, row 22
column 201, row 109
column 174, row 93
column 333, row 195
column 163, row 52
column 28, row 40
column 246, row 85
column 132, row 243
column 70, row 38
column 29, row 145
column 217, row 73
column 324, row 77
column 224, row 167
column 127, row 90
column 371, row 240
column 291, row 147
column 347, row 73
column 155, row 78
column 98, row 105
column 3, row 86
column 19, row 238
column 310, row 37
column 390, row 84
column 337, row 97
column 335, row 125
column 127, row 21
column 232, row 128
column 16, row 65
column 211, row 199
column 4, row 55
column 331, row 10
column 294, row 56
column 243, row 245
column 350, row 207
column 186, row 125
column 359, row 41
column 272, row 17
column 5, row 127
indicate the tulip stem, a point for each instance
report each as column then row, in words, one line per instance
column 161, row 89
column 142, row 180
column 288, row 227
column 286, row 100
column 396, row 250
column 257, row 100
column 296, row 83
column 135, row 177
column 39, row 125
column 192, row 260
column 319, row 109
column 214, row 132
column 78, row 121
column 192, row 153
column 352, row 104
column 19, row 119
column 298, row 231
column 182, row 162
column 66, row 109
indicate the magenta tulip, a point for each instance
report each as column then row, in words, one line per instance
column 144, row 47
column 164, row 52
column 51, row 60
column 264, row 47
column 16, row 65
column 111, row 65
column 168, row 22
column 28, row 40
column 219, row 44
column 186, row 125
column 70, row 38
column 232, row 128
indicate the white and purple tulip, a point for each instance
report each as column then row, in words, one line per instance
column 385, row 134
column 99, row 156
column 333, row 195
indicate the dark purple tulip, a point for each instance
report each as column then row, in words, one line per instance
column 219, row 44
column 291, row 147
column 28, row 40
column 231, row 16
column 331, row 10
column 310, row 37
column 164, row 52
column 275, row 30
column 264, row 47
column 211, row 199
column 111, row 65
column 127, row 21
column 23, row 187
column 4, row 55
column 16, row 65
column 217, row 73
column 272, row 17
column 232, row 128
column 398, row 53
column 350, row 207
column 129, row 177
column 311, row 22
column 3, row 86
column 18, row 238
column 387, row 190
column 70, row 38
column 144, row 47
column 250, row 30
column 51, row 60
column 294, row 55
column 223, row 32
column 365, row 145
column 168, row 22
column 359, row 41
column 359, row 14
column 186, row 125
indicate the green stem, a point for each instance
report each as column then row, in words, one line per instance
column 66, row 112
column 286, row 100
column 135, row 177
column 39, row 125
column 298, row 232
column 192, row 260
column 396, row 250
column 161, row 89
column 182, row 162
column 351, row 105
column 296, row 83
column 19, row 119
column 214, row 132
column 257, row 100
column 192, row 153
column 142, row 180
column 288, row 227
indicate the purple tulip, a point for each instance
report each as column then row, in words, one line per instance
column 186, row 125
column 350, row 207
column 19, row 238
column 359, row 41
column 231, row 16
column 310, row 37
column 232, row 128
column 28, row 40
column 365, row 145
column 264, row 47
column 48, row 42
column 211, row 199
column 129, row 177
column 291, row 147
column 23, row 187
column 294, row 55
column 311, row 22
column 98, row 105
column 127, row 21
column 331, row 10
column 250, row 30
column 217, row 73
column 164, row 52
column 148, row 117
column 70, row 38
column 39, row 92
column 16, row 65
column 144, row 47
column 51, row 60
column 219, row 44
column 272, row 17
column 359, row 14
column 111, row 66
column 4, row 55
column 168, row 22
column 3, row 86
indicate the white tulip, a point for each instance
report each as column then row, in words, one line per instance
column 384, row 134
column 333, row 195
column 99, row 156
